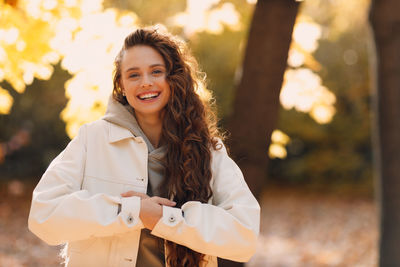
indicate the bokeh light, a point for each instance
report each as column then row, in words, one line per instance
column 279, row 140
column 6, row 101
column 302, row 88
column 207, row 15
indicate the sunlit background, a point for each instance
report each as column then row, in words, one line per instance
column 84, row 36
column 67, row 48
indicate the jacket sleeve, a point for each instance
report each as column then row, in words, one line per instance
column 62, row 212
column 227, row 228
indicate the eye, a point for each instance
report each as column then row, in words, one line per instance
column 157, row 71
column 134, row 75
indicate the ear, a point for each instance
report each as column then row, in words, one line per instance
column 122, row 88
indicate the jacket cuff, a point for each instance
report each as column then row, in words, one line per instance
column 170, row 219
column 130, row 210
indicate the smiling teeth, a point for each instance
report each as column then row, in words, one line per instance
column 149, row 95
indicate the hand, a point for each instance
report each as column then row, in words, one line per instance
column 133, row 193
column 150, row 208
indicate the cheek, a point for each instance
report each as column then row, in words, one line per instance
column 168, row 90
column 167, row 86
column 123, row 84
column 163, row 83
column 129, row 85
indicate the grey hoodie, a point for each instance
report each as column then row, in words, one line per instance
column 151, row 252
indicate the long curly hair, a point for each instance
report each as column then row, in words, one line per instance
column 189, row 128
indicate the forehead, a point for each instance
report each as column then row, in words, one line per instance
column 141, row 56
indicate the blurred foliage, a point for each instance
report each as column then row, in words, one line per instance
column 338, row 153
column 37, row 113
column 335, row 153
column 220, row 59
column 150, row 12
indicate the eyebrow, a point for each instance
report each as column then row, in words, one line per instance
column 152, row 66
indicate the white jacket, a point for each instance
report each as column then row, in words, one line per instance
column 76, row 202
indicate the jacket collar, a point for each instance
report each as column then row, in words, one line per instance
column 118, row 133
column 122, row 122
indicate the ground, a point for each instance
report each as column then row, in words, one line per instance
column 298, row 229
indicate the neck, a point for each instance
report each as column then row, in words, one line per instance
column 151, row 126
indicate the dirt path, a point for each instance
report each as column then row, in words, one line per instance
column 297, row 229
column 307, row 230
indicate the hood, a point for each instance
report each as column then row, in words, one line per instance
column 124, row 116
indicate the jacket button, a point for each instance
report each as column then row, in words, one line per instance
column 171, row 218
column 129, row 219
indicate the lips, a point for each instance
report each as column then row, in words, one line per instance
column 148, row 95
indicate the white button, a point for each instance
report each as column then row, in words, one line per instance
column 171, row 218
column 129, row 219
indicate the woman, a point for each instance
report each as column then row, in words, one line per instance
column 150, row 184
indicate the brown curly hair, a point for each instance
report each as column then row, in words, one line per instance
column 189, row 128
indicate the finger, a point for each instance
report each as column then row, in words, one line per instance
column 164, row 201
column 141, row 195
column 129, row 194
column 133, row 193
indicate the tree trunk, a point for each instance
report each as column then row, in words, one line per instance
column 257, row 98
column 385, row 20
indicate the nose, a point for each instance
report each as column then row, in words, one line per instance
column 146, row 81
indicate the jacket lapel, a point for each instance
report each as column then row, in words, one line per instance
column 118, row 133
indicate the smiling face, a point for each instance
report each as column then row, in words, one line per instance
column 144, row 81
